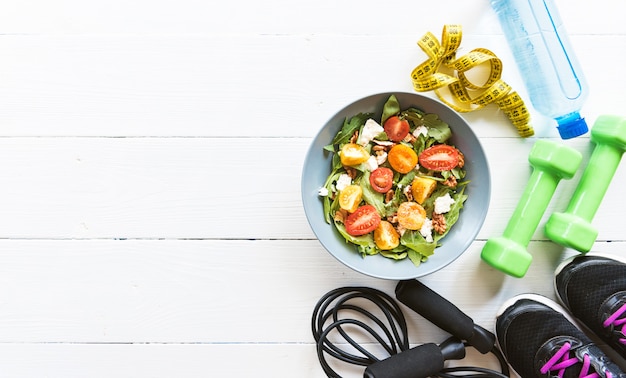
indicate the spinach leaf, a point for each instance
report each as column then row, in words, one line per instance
column 415, row 257
column 366, row 240
column 391, row 108
column 367, row 250
column 437, row 128
column 415, row 241
column 394, row 255
column 371, row 196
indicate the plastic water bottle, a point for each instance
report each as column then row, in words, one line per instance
column 552, row 75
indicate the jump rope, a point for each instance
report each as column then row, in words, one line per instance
column 347, row 312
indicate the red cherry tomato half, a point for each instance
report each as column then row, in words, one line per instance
column 381, row 179
column 396, row 128
column 364, row 220
column 439, row 157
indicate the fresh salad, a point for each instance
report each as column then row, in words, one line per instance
column 396, row 185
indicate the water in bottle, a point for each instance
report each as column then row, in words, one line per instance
column 554, row 80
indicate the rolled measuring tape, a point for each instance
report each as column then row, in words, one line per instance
column 456, row 90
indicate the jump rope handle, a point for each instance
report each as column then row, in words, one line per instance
column 444, row 314
column 423, row 361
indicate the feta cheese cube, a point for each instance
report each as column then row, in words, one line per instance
column 423, row 130
column 371, row 130
column 371, row 163
column 443, row 204
column 343, row 181
column 427, row 230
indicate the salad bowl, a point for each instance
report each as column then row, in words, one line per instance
column 318, row 164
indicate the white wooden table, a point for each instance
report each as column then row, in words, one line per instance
column 151, row 221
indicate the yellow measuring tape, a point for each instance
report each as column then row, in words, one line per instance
column 457, row 91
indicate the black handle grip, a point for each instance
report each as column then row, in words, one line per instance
column 422, row 361
column 444, row 314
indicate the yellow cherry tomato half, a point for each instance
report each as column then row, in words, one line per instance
column 353, row 154
column 411, row 215
column 350, row 197
column 402, row 158
column 385, row 236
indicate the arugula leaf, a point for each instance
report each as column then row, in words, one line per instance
column 328, row 208
column 453, row 215
column 398, row 196
column 391, row 108
column 350, row 126
column 415, row 116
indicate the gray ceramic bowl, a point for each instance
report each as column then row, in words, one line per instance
column 317, row 165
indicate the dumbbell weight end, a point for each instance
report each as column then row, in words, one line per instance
column 507, row 256
column 552, row 162
column 573, row 227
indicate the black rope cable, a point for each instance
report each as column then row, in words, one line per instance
column 394, row 339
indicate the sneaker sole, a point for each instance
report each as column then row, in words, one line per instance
column 538, row 298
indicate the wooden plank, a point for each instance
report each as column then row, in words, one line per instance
column 176, row 360
column 208, row 188
column 158, row 360
column 273, row 17
column 198, row 85
column 220, row 292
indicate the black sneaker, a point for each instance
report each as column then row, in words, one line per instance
column 593, row 289
column 539, row 340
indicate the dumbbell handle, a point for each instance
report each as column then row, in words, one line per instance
column 552, row 162
column 595, row 181
column 531, row 206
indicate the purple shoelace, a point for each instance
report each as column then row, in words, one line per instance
column 562, row 360
column 616, row 321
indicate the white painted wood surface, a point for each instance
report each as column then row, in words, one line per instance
column 151, row 221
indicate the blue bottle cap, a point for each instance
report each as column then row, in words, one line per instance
column 571, row 126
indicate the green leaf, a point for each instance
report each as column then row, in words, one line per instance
column 391, row 108
column 371, row 196
column 398, row 197
column 415, row 241
column 453, row 215
column 394, row 255
column 415, row 257
column 414, row 116
column 366, row 240
column 350, row 126
column 437, row 129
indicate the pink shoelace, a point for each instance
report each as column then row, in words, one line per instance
column 614, row 320
column 562, row 360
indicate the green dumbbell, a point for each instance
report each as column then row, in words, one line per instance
column 573, row 228
column 551, row 162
